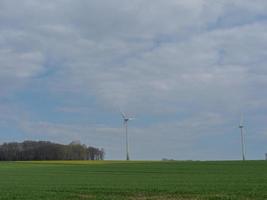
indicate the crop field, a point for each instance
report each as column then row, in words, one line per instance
column 134, row 180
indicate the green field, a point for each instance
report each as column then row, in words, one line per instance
column 133, row 180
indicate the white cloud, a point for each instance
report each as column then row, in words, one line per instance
column 143, row 52
column 20, row 65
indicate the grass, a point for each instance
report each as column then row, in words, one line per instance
column 118, row 180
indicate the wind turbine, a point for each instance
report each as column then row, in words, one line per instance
column 126, row 119
column 241, row 126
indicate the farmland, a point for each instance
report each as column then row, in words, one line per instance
column 138, row 180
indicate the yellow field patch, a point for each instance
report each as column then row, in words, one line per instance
column 82, row 162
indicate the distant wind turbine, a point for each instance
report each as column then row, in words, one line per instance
column 241, row 126
column 125, row 124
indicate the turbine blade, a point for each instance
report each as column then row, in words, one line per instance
column 123, row 115
column 241, row 120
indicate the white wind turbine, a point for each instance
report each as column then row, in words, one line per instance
column 125, row 124
column 241, row 126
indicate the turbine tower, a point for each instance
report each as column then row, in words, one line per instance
column 126, row 119
column 241, row 126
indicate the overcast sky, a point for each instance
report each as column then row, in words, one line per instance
column 186, row 69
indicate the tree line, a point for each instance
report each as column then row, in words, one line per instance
column 45, row 150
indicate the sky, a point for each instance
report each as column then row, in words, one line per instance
column 185, row 69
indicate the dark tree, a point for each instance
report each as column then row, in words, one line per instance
column 43, row 150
